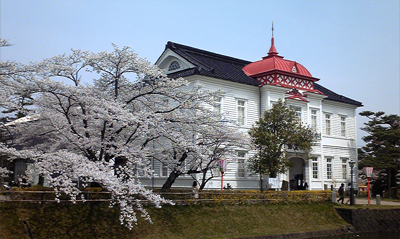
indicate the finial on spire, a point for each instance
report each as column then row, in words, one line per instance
column 272, row 29
column 272, row 50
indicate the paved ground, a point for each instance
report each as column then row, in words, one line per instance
column 364, row 201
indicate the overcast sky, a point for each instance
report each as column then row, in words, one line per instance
column 351, row 46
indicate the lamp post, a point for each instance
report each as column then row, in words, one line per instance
column 368, row 171
column 222, row 167
column 352, row 162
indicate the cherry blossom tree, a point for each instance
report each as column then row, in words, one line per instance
column 18, row 99
column 106, row 130
column 213, row 141
column 12, row 102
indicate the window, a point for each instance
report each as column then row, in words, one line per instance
column 344, row 168
column 315, row 167
column 241, row 112
column 329, row 168
column 314, row 120
column 20, row 166
column 218, row 104
column 327, row 124
column 343, row 126
column 297, row 110
column 165, row 103
column 240, row 165
column 164, row 171
column 173, row 66
column 183, row 168
column 272, row 103
column 138, row 170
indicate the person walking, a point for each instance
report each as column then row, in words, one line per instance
column 196, row 189
column 304, row 185
column 341, row 193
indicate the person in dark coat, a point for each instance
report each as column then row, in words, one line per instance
column 304, row 185
column 341, row 193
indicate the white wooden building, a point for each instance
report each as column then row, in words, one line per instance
column 251, row 88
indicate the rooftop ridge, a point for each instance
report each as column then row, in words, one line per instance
column 174, row 45
column 335, row 96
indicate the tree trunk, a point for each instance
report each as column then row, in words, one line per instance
column 171, row 179
column 202, row 185
column 174, row 174
column 204, row 180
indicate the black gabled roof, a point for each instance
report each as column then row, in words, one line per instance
column 229, row 68
column 336, row 97
column 211, row 64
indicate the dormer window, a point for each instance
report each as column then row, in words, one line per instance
column 294, row 69
column 173, row 66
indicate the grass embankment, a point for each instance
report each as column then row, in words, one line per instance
column 97, row 220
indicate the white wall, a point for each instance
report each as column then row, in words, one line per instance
column 334, row 145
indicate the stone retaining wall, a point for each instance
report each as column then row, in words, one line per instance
column 372, row 220
column 302, row 235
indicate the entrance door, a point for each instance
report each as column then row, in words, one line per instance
column 296, row 174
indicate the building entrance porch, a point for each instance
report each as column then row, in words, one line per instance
column 296, row 173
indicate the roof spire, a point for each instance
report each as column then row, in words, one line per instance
column 272, row 50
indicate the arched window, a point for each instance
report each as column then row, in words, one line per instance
column 173, row 66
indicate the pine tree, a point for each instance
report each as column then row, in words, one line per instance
column 382, row 149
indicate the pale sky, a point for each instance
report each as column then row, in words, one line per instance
column 351, row 46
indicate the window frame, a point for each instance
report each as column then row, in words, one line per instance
column 343, row 125
column 314, row 125
column 328, row 130
column 164, row 166
column 314, row 167
column 241, row 171
column 218, row 103
column 174, row 65
column 329, row 167
column 244, row 107
column 344, row 168
column 272, row 103
column 298, row 110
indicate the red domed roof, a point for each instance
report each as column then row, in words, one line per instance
column 275, row 62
